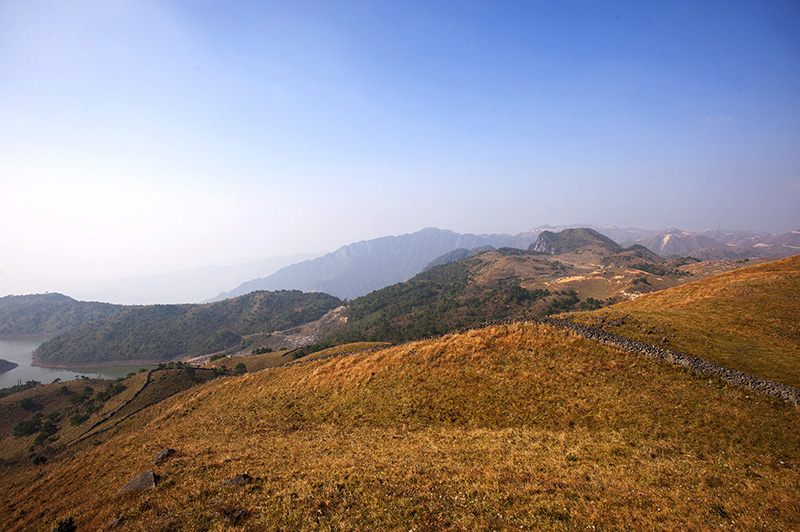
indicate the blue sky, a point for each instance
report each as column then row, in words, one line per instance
column 146, row 136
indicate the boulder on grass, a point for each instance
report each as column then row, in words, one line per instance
column 238, row 480
column 142, row 482
column 163, row 454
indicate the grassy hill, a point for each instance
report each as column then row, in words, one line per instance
column 164, row 332
column 745, row 319
column 504, row 428
column 41, row 314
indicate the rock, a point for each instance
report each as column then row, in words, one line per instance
column 142, row 482
column 238, row 480
column 115, row 522
column 163, row 454
column 236, row 516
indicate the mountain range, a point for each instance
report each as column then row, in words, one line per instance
column 573, row 269
column 357, row 269
column 360, row 268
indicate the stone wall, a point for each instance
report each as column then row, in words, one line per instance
column 698, row 365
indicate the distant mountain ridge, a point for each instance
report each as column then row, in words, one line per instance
column 362, row 267
column 357, row 269
column 718, row 245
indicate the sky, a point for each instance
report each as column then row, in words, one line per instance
column 148, row 136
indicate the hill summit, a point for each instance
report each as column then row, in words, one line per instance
column 570, row 240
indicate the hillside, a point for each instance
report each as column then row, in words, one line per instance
column 509, row 427
column 165, row 332
column 42, row 314
column 745, row 319
column 512, row 283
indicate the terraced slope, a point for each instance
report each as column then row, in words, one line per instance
column 504, row 428
column 747, row 319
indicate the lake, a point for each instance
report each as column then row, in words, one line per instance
column 20, row 350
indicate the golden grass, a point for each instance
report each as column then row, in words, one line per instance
column 353, row 347
column 252, row 362
column 505, row 428
column 748, row 319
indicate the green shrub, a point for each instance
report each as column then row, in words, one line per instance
column 65, row 525
column 78, row 419
column 28, row 427
column 28, row 404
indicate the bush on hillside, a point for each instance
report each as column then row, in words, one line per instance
column 28, row 427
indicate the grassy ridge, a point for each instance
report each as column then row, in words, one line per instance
column 746, row 319
column 503, row 428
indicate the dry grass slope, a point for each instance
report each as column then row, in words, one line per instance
column 505, row 428
column 747, row 319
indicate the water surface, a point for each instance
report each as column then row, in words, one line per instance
column 20, row 350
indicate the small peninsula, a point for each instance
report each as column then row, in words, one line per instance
column 5, row 365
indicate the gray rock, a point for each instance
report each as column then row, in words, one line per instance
column 163, row 454
column 142, row 482
column 238, row 480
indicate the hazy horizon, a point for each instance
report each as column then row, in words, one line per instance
column 149, row 137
